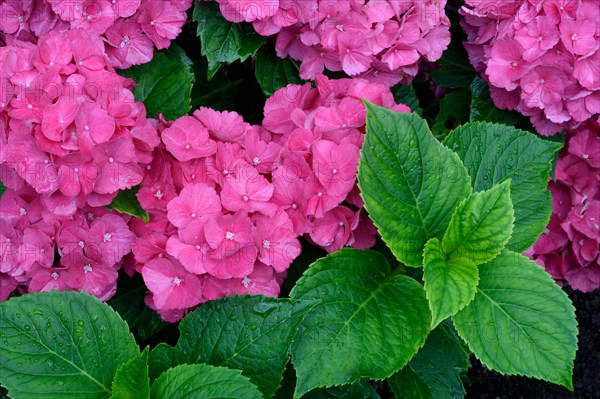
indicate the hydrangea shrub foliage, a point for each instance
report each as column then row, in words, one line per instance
column 239, row 200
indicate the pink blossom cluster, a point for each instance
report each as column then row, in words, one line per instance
column 130, row 29
column 90, row 246
column 541, row 57
column 71, row 137
column 569, row 246
column 69, row 126
column 229, row 200
column 380, row 40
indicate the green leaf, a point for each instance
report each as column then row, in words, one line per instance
column 164, row 85
column 481, row 225
column 162, row 357
column 455, row 70
column 454, row 110
column 358, row 390
column 250, row 333
column 409, row 181
column 127, row 202
column 61, row 345
column 483, row 108
column 449, row 284
column 131, row 380
column 520, row 321
column 434, row 372
column 273, row 73
column 405, row 94
column 203, row 381
column 368, row 324
column 495, row 153
column 223, row 41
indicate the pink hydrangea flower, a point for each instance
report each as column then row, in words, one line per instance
column 541, row 58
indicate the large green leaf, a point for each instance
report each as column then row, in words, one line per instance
column 250, row 333
column 520, row 321
column 495, row 153
column 450, row 284
column 127, row 202
column 163, row 85
column 409, row 181
column 223, row 41
column 131, row 380
column 454, row 68
column 273, row 73
column 434, row 372
column 481, row 225
column 162, row 357
column 61, row 345
column 368, row 324
column 203, row 381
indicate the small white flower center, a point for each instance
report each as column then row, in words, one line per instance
column 334, row 171
column 54, row 275
column 246, row 282
column 107, row 237
column 111, row 160
column 176, row 281
column 187, row 146
column 266, row 244
column 585, row 156
column 81, row 244
column 22, row 212
column 29, row 106
column 87, row 268
column 229, row 235
column 245, row 198
column 158, row 194
column 255, row 160
column 193, row 215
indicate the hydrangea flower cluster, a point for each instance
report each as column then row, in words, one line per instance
column 380, row 40
column 541, row 58
column 71, row 137
column 569, row 247
column 90, row 246
column 229, row 200
column 130, row 28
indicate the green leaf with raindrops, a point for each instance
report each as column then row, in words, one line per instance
column 64, row 345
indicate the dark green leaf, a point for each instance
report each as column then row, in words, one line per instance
column 61, row 345
column 364, row 312
column 455, row 70
column 358, row 390
column 250, row 333
column 434, row 372
column 163, row 85
column 483, row 108
column 223, row 41
column 273, row 73
column 454, row 110
column 405, row 94
column 127, row 202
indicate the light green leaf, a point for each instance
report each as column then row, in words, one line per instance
column 495, row 153
column 434, row 372
column 203, row 381
column 520, row 321
column 127, row 202
column 223, row 41
column 273, row 73
column 368, row 324
column 250, row 333
column 405, row 94
column 481, row 226
column 61, row 345
column 409, row 181
column 131, row 380
column 163, row 85
column 449, row 284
